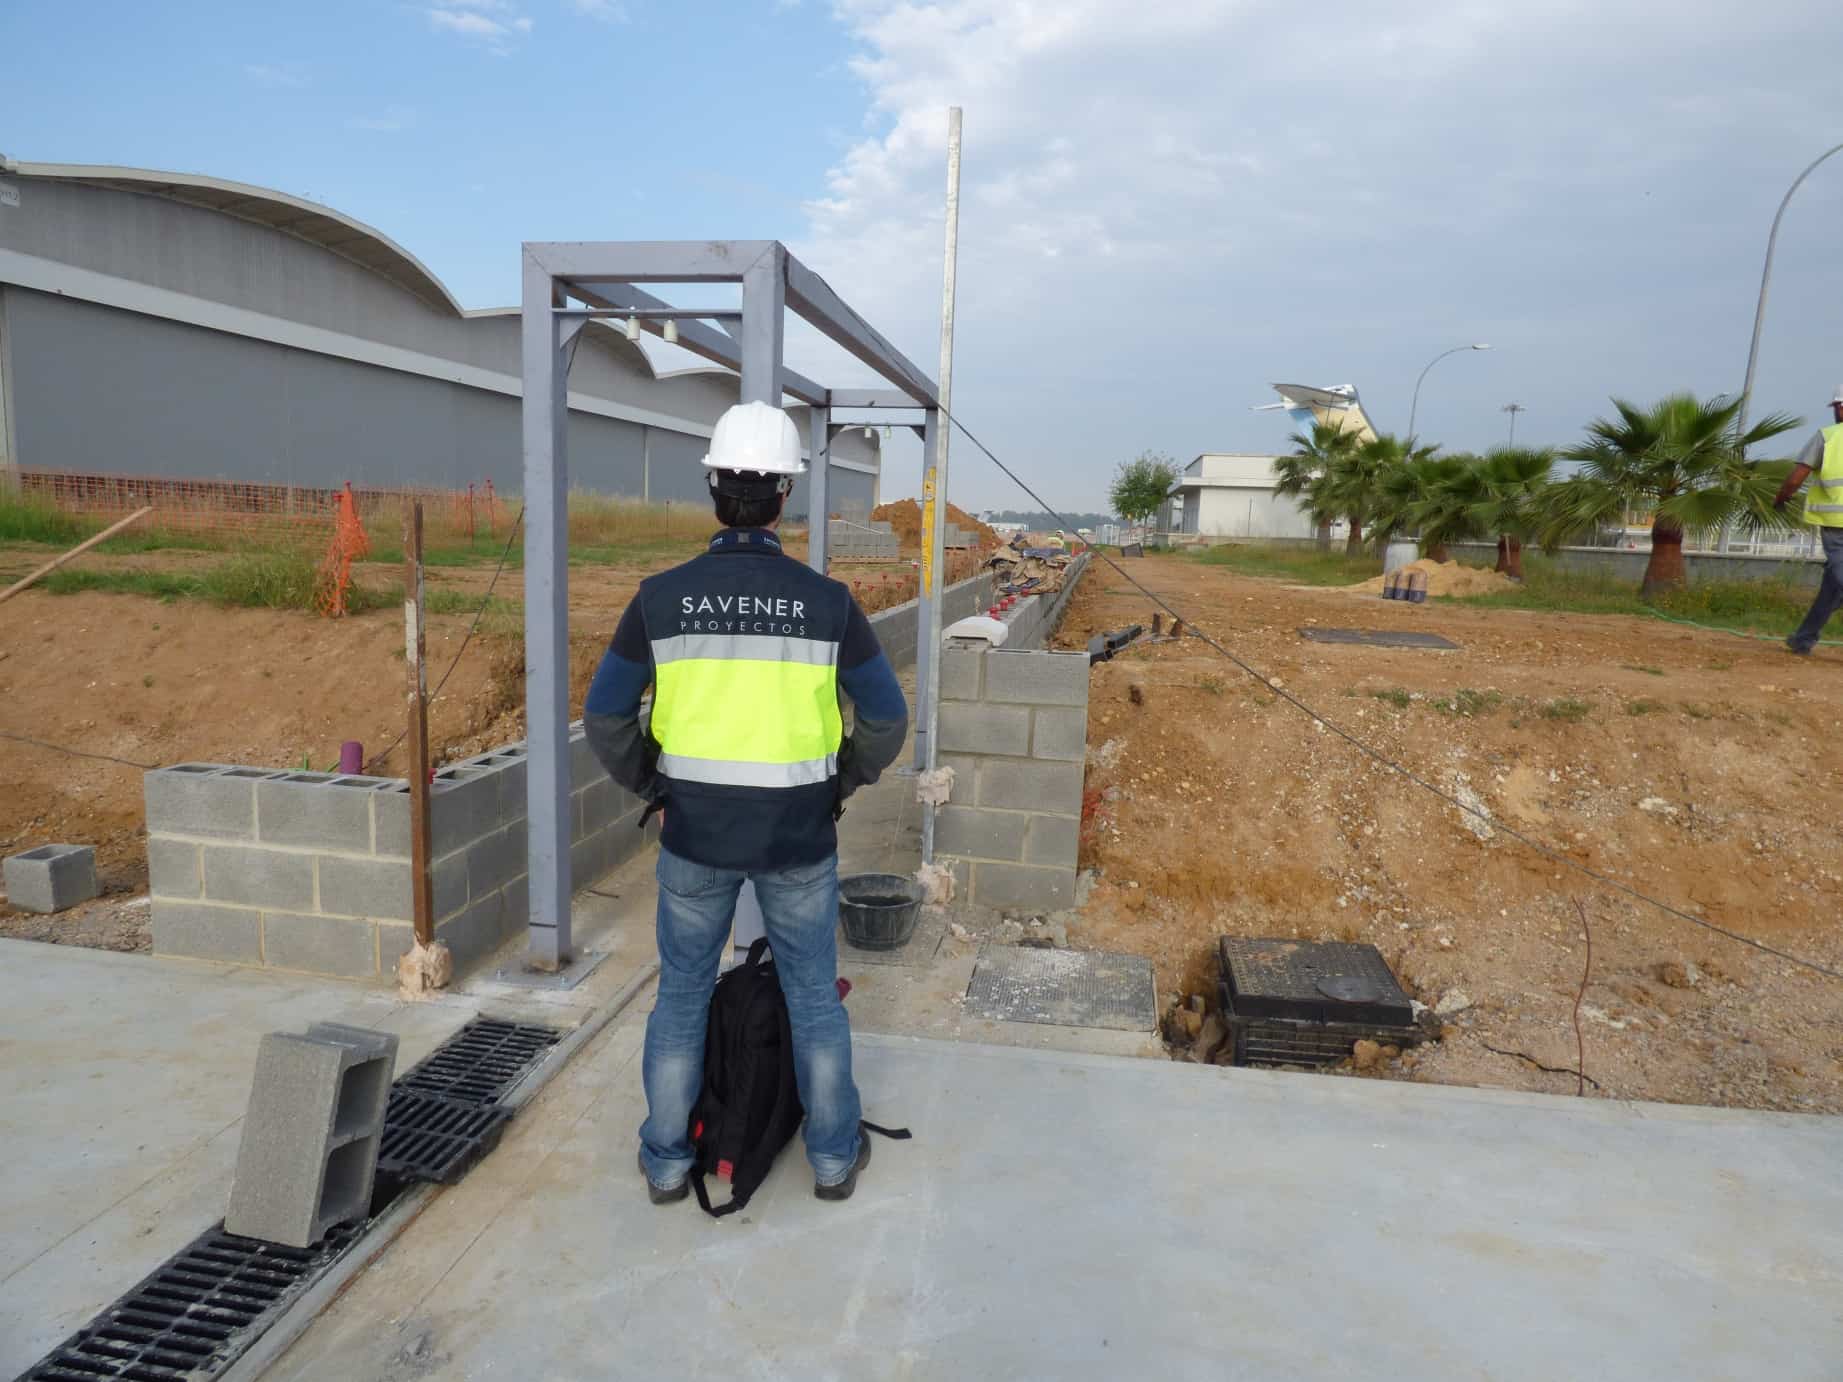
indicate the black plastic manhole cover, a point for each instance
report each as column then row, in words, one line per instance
column 1309, row 981
column 1379, row 638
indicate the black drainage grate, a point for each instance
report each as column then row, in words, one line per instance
column 480, row 1063
column 427, row 1137
column 195, row 1315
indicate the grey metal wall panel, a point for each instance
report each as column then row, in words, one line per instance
column 676, row 469
column 606, row 456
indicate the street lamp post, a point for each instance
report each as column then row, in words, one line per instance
column 1415, row 407
column 1513, row 409
column 1759, row 311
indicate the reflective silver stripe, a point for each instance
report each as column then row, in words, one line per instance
column 727, row 773
column 1824, row 508
column 749, row 647
column 1822, row 483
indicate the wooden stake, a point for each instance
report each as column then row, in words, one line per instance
column 422, row 889
column 76, row 551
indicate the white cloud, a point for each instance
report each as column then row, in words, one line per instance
column 276, row 74
column 608, row 11
column 492, row 24
column 393, row 120
column 1166, row 206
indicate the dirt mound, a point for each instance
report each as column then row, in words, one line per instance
column 905, row 518
column 1446, row 578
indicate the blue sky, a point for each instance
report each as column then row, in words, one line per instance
column 1167, row 205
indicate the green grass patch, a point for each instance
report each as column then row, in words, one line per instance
column 1214, row 685
column 1770, row 608
column 1648, row 671
column 1395, row 696
column 270, row 580
column 1642, row 707
column 1564, row 708
column 1302, row 565
column 1468, row 702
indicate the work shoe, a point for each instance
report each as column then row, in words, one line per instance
column 1794, row 648
column 841, row 1190
column 662, row 1194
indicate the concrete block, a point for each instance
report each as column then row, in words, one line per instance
column 207, row 799
column 595, row 806
column 460, row 812
column 1022, row 887
column 1053, row 840
column 492, row 859
column 309, row 1148
column 200, row 931
column 51, row 878
column 1027, row 785
column 448, row 880
column 1036, row 677
column 364, row 887
column 960, row 679
column 305, row 809
column 480, row 929
column 965, row 779
column 173, row 868
column 255, row 877
column 972, row 727
column 592, row 857
column 345, row 946
column 1060, row 735
column 971, row 832
column 509, row 775
column 394, row 941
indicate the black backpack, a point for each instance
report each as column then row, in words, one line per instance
column 749, row 1107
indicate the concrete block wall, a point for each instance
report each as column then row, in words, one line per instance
column 1033, row 621
column 846, row 541
column 898, row 628
column 1014, row 728
column 310, row 871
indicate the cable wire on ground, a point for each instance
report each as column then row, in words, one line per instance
column 76, row 753
column 1377, row 756
column 454, row 662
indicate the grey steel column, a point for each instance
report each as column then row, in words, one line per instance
column 819, row 495
column 926, row 637
column 764, row 303
column 547, row 790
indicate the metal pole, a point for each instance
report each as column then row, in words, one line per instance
column 415, row 647
column 933, row 573
column 547, row 487
column 1513, row 409
column 819, row 501
column 926, row 639
column 1759, row 313
column 1415, row 407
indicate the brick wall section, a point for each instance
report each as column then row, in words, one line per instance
column 310, row 871
column 898, row 628
column 1014, row 728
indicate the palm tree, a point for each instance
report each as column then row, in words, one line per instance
column 1314, row 456
column 1448, row 488
column 1512, row 483
column 1681, row 460
column 1355, row 486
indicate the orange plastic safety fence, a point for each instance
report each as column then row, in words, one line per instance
column 350, row 544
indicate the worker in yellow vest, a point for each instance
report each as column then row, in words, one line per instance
column 1822, row 462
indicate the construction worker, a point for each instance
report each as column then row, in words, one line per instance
column 747, row 650
column 1823, row 454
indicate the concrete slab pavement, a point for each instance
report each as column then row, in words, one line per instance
column 1062, row 1215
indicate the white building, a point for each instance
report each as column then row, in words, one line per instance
column 1231, row 496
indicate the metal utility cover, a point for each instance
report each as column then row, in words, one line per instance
column 1063, row 988
column 1312, row 981
column 919, row 949
column 1380, row 638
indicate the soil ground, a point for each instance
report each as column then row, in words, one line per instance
column 1690, row 765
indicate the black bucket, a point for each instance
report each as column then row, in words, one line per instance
column 879, row 909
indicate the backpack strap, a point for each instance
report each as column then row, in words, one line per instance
column 894, row 1134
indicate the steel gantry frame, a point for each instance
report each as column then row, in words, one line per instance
column 604, row 278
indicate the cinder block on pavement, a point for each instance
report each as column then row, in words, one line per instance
column 1037, row 677
column 51, row 877
column 213, row 800
column 345, row 946
column 253, row 877
column 310, row 1138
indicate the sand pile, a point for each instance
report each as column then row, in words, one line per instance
column 904, row 517
column 1447, row 578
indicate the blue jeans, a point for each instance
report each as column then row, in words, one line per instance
column 800, row 908
column 1829, row 594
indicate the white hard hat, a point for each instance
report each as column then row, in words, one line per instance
column 757, row 437
column 1837, row 397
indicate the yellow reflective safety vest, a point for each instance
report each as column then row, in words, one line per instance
column 1824, row 501
column 747, row 650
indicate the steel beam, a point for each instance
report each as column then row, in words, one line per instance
column 927, row 638
column 720, row 347
column 812, row 297
column 819, row 500
column 547, row 782
column 651, row 261
column 870, row 398
column 764, row 309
